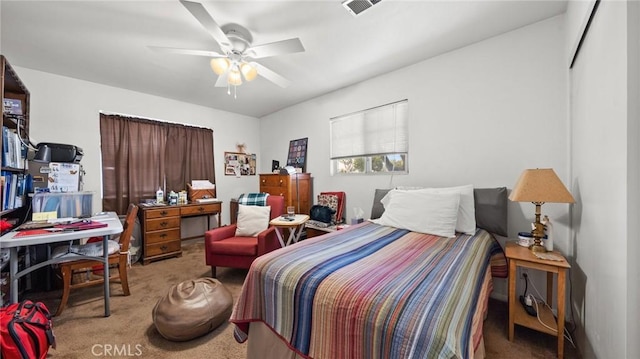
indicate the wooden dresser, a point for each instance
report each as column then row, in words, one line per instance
column 161, row 227
column 295, row 188
column 161, row 233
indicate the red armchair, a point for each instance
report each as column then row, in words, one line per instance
column 224, row 249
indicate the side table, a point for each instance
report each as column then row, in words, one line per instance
column 519, row 256
column 295, row 226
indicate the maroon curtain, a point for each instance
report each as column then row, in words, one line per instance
column 177, row 152
column 199, row 156
column 140, row 155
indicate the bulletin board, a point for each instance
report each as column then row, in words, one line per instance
column 298, row 153
column 239, row 164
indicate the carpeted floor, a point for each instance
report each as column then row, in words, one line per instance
column 83, row 332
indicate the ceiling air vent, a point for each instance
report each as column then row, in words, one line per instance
column 355, row 7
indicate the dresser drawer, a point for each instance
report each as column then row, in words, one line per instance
column 202, row 209
column 273, row 181
column 162, row 236
column 275, row 191
column 161, row 213
column 162, row 223
column 161, row 248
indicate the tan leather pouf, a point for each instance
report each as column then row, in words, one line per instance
column 192, row 308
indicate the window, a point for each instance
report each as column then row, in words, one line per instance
column 371, row 141
column 140, row 155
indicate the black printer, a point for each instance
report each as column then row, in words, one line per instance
column 57, row 152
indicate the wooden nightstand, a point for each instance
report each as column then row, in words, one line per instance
column 519, row 256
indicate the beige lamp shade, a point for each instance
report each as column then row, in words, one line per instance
column 219, row 65
column 249, row 71
column 540, row 185
column 235, row 78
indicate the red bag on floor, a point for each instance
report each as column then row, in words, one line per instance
column 25, row 331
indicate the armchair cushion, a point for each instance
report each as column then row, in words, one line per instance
column 252, row 220
column 236, row 246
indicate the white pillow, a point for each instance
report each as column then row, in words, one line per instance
column 252, row 220
column 466, row 222
column 420, row 211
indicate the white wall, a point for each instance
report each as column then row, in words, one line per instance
column 66, row 110
column 633, row 179
column 479, row 115
column 605, row 161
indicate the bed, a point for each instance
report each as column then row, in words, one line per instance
column 374, row 291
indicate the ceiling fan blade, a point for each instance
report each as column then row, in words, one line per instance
column 271, row 76
column 276, row 48
column 172, row 50
column 222, row 79
column 200, row 13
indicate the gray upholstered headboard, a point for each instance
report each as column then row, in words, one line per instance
column 490, row 206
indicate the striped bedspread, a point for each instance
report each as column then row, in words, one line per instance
column 370, row 291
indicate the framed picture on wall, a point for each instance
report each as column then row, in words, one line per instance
column 239, row 164
column 297, row 156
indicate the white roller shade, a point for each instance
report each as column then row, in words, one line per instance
column 380, row 130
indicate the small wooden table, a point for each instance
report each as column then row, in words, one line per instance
column 519, row 256
column 295, row 226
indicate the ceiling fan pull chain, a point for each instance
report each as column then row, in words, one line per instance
column 235, row 92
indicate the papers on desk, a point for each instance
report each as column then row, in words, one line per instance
column 66, row 227
column 206, row 200
column 202, row 184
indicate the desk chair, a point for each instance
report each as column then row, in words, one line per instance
column 117, row 257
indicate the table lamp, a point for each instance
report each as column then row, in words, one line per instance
column 538, row 186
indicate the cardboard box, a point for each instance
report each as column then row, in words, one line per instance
column 195, row 194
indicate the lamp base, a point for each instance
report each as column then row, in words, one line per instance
column 536, row 247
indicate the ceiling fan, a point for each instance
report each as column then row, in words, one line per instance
column 235, row 61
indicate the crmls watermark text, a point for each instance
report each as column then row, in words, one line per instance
column 117, row 350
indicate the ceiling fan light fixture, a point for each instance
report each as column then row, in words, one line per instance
column 220, row 65
column 235, row 78
column 249, row 71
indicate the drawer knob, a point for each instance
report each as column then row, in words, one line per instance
column 280, row 181
column 264, row 181
column 163, row 235
column 164, row 248
column 164, row 213
column 164, row 224
column 201, row 209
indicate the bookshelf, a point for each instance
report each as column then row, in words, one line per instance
column 15, row 131
column 14, row 143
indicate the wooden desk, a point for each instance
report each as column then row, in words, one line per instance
column 161, row 227
column 519, row 256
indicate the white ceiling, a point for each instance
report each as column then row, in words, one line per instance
column 106, row 42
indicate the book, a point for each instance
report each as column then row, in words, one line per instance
column 80, row 226
column 31, row 232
